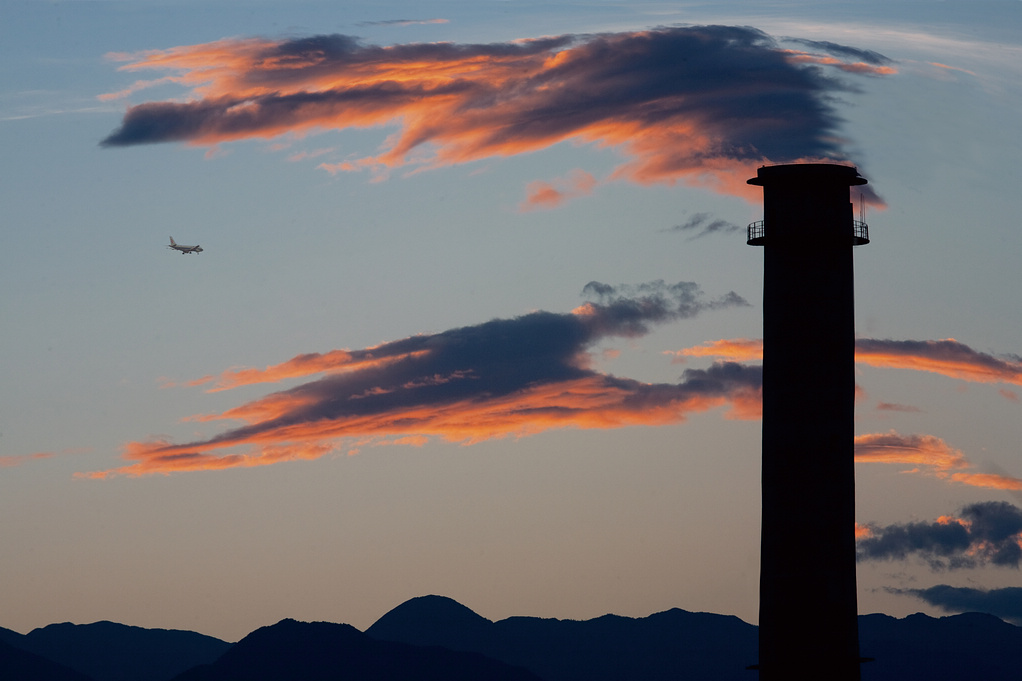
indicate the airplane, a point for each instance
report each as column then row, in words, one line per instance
column 185, row 250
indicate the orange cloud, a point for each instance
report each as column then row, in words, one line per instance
column 503, row 378
column 990, row 480
column 918, row 450
column 18, row 460
column 702, row 105
column 729, row 349
column 929, row 455
column 550, row 195
column 11, row 461
column 301, row 365
column 952, row 68
column 588, row 402
column 945, row 357
column 860, row 67
column 477, row 383
column 161, row 457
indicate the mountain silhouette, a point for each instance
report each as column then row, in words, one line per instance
column 20, row 665
column 702, row 646
column 318, row 651
column 433, row 637
column 953, row 648
column 668, row 645
column 435, row 621
column 106, row 651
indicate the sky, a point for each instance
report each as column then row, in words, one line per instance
column 475, row 315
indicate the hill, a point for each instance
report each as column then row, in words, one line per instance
column 953, row 648
column 678, row 644
column 107, row 651
column 321, row 651
column 20, row 665
column 668, row 645
column 433, row 637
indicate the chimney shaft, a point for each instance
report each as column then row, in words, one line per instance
column 808, row 625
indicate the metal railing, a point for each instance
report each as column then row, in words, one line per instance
column 757, row 233
column 860, row 233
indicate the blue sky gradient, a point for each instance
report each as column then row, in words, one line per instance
column 622, row 253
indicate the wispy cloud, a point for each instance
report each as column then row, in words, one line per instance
column 21, row 459
column 731, row 349
column 987, row 533
column 947, row 357
column 827, row 47
column 895, row 407
column 17, row 460
column 402, row 22
column 306, row 365
column 951, row 68
column 506, row 377
column 541, row 194
column 703, row 105
column 844, row 57
column 928, row 455
column 917, row 450
column 703, row 224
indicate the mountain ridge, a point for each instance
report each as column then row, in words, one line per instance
column 432, row 637
column 322, row 651
column 108, row 651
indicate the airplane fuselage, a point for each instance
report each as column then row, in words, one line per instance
column 184, row 250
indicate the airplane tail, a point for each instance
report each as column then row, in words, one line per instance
column 172, row 242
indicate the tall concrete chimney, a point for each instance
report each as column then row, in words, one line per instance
column 808, row 626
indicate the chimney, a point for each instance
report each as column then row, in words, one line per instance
column 808, row 625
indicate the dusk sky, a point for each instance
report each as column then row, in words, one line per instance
column 475, row 315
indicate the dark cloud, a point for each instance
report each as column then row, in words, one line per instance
column 702, row 224
column 627, row 310
column 502, row 377
column 501, row 356
column 987, row 533
column 1005, row 603
column 701, row 103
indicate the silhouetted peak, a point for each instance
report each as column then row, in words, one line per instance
column 428, row 613
column 702, row 618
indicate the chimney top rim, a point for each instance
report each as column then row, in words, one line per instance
column 808, row 173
